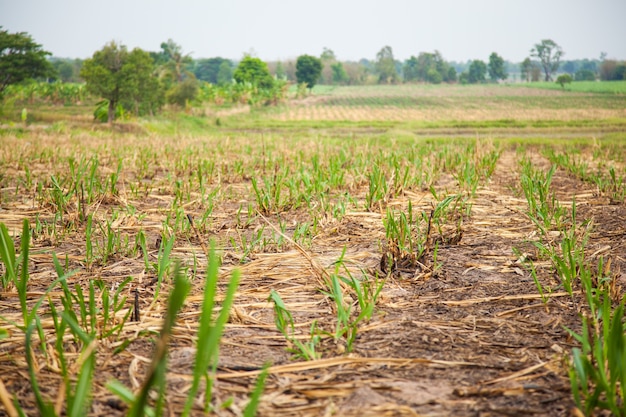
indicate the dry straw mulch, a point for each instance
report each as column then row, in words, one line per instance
column 474, row 338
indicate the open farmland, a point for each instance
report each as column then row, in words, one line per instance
column 454, row 103
column 401, row 251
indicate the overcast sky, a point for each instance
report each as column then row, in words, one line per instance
column 353, row 29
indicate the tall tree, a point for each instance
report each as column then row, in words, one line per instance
column 328, row 55
column 176, row 62
column 549, row 54
column 118, row 76
column 308, row 70
column 145, row 92
column 20, row 59
column 254, row 71
column 526, row 69
column 476, row 72
column 428, row 67
column 328, row 58
column 496, row 68
column 386, row 66
column 208, row 69
column 225, row 73
column 340, row 76
column 410, row 69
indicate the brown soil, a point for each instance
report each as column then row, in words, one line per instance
column 471, row 339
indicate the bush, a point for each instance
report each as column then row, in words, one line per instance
column 564, row 79
column 584, row 75
column 183, row 92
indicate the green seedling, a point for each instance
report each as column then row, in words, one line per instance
column 285, row 324
column 544, row 209
column 163, row 262
column 377, row 190
column 366, row 296
column 210, row 330
column 598, row 369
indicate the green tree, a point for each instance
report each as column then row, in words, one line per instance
column 308, row 70
column 476, row 72
column 451, row 75
column 585, row 75
column 176, row 62
column 145, row 91
column 280, row 72
column 526, row 69
column 66, row 71
column 118, row 76
column 496, row 68
column 356, row 71
column 328, row 55
column 21, row 59
column 386, row 66
column 612, row 70
column 549, row 54
column 225, row 73
column 183, row 92
column 328, row 58
column 340, row 76
column 254, row 71
column 410, row 69
column 428, row 67
column 209, row 69
column 564, row 79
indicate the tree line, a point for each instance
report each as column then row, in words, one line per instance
column 142, row 82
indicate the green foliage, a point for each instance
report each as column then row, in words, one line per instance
column 21, row 59
column 183, row 93
column 101, row 113
column 47, row 92
column 308, row 70
column 254, row 71
column 543, row 208
column 428, row 67
column 526, row 68
column 476, row 72
column 496, row 68
column 564, row 79
column 607, row 88
column 366, row 294
column 155, row 378
column 225, row 73
column 123, row 78
column 210, row 330
column 173, row 63
column 585, row 75
column 242, row 93
column 283, row 319
column 386, row 66
column 598, row 369
column 549, row 54
column 339, row 74
column 213, row 70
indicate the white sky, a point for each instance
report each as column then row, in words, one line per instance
column 353, row 29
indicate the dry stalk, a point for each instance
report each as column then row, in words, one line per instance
column 322, row 276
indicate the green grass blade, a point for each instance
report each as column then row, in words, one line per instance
column 45, row 408
column 259, row 387
column 83, row 385
column 158, row 367
column 7, row 254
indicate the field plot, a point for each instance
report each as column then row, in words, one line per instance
column 369, row 274
column 424, row 103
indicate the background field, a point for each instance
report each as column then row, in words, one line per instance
column 471, row 315
column 423, row 104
